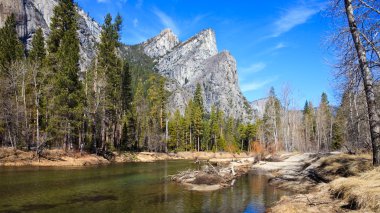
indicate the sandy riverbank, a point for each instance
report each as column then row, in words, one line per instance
column 60, row 158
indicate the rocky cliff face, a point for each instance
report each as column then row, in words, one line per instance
column 34, row 14
column 258, row 107
column 197, row 60
column 161, row 44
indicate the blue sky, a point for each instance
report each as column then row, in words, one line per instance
column 275, row 42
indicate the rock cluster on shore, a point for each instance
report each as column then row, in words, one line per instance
column 215, row 174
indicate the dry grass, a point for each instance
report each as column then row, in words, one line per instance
column 362, row 192
column 343, row 165
column 353, row 186
column 54, row 157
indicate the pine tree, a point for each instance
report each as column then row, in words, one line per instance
column 37, row 53
column 126, row 93
column 66, row 107
column 230, row 135
column 11, row 51
column 272, row 119
column 109, row 85
column 11, row 48
column 141, row 114
column 252, row 133
column 175, row 130
column 206, row 137
column 198, row 98
column 214, row 127
column 129, row 121
column 242, row 135
column 324, row 124
column 221, row 129
column 197, row 123
column 37, row 57
column 309, row 125
column 198, row 113
column 188, row 125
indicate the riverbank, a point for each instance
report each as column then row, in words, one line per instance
column 331, row 182
column 60, row 158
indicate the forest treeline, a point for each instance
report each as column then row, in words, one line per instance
column 119, row 103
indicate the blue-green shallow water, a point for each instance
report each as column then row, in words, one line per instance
column 132, row 187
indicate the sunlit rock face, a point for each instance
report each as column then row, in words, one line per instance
column 161, row 44
column 197, row 60
column 34, row 14
column 258, row 107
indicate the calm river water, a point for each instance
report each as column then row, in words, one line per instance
column 132, row 187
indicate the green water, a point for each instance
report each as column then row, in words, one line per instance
column 132, row 187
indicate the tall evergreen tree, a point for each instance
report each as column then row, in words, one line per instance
column 11, row 48
column 11, row 51
column 129, row 120
column 37, row 57
column 126, row 93
column 198, row 113
column 141, row 114
column 38, row 52
column 214, row 127
column 109, row 88
column 309, row 124
column 272, row 119
column 66, row 106
column 198, row 98
column 324, row 123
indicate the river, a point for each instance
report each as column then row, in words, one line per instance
column 132, row 187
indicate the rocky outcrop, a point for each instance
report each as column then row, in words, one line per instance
column 161, row 44
column 34, row 14
column 184, row 62
column 197, row 60
column 258, row 107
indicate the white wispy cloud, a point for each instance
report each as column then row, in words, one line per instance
column 166, row 20
column 279, row 46
column 248, row 87
column 256, row 67
column 273, row 50
column 294, row 17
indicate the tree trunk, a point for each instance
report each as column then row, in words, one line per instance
column 167, row 136
column 198, row 144
column 374, row 120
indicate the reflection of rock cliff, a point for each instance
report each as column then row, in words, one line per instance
column 34, row 14
column 197, row 60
